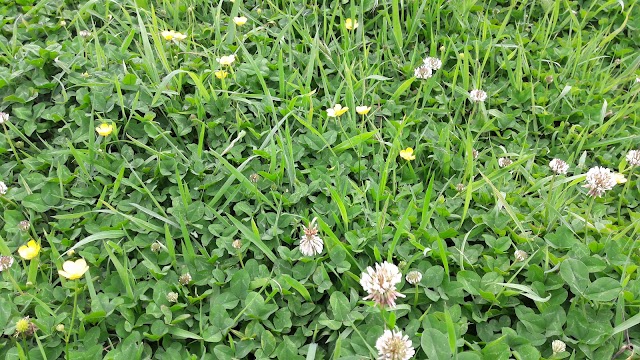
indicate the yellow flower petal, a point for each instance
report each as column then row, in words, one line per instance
column 221, row 74
column 351, row 24
column 336, row 110
column 226, row 60
column 363, row 110
column 73, row 270
column 171, row 35
column 407, row 154
column 619, row 178
column 29, row 251
column 104, row 129
column 239, row 20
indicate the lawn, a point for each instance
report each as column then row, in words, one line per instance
column 306, row 179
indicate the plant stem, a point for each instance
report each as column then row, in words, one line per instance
column 586, row 221
column 624, row 191
column 15, row 151
column 550, row 196
column 24, row 343
column 14, row 282
column 73, row 317
column 383, row 314
column 240, row 257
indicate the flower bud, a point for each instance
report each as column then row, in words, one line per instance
column 521, row 255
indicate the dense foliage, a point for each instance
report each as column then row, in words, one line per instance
column 186, row 179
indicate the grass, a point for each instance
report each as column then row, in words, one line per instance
column 196, row 162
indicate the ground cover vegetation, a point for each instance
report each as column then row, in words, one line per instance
column 309, row 179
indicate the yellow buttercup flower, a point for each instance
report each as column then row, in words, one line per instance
column 363, row 110
column 221, row 74
column 226, row 60
column 171, row 35
column 619, row 178
column 104, row 129
column 407, row 154
column 73, row 270
column 336, row 110
column 351, row 24
column 239, row 20
column 30, row 250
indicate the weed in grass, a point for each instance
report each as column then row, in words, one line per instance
column 178, row 149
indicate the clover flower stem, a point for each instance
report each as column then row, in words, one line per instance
column 383, row 313
column 13, row 148
column 550, row 196
column 415, row 300
column 24, row 344
column 73, row 318
column 14, row 282
column 586, row 221
column 240, row 258
column 624, row 191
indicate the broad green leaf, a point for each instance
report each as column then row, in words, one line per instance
column 576, row 275
column 340, row 306
column 603, row 289
column 436, row 345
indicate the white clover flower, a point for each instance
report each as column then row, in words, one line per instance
column 423, row 72
column 558, row 346
column 237, row 244
column 599, row 180
column 5, row 262
column 504, row 162
column 84, row 33
column 475, row 154
column 521, row 255
column 4, row 117
column 559, row 166
column 433, row 63
column 3, row 188
column 392, row 345
column 172, row 297
column 477, row 95
column 633, row 157
column 460, row 187
column 156, row 247
column 24, row 225
column 380, row 283
column 638, row 80
column 185, row 279
column 413, row 277
column 310, row 243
